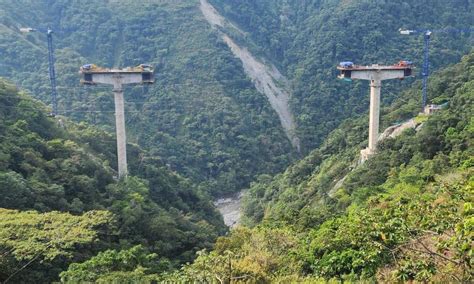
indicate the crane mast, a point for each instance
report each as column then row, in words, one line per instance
column 426, row 62
column 52, row 73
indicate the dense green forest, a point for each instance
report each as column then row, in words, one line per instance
column 50, row 170
column 306, row 39
column 203, row 116
column 203, row 131
column 404, row 215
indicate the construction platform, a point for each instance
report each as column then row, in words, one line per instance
column 141, row 74
column 144, row 71
column 347, row 68
column 374, row 73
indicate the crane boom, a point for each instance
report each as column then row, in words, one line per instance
column 52, row 73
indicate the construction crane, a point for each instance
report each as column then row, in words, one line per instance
column 426, row 61
column 52, row 72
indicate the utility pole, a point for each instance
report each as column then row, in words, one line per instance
column 375, row 74
column 142, row 74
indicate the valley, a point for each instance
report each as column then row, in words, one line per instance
column 244, row 155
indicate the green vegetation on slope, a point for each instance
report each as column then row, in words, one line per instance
column 53, row 238
column 111, row 266
column 202, row 116
column 409, row 233
column 307, row 39
column 406, row 214
column 45, row 166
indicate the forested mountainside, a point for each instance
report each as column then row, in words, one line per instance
column 204, row 116
column 332, row 176
column 243, row 90
column 306, row 39
column 404, row 215
column 50, row 171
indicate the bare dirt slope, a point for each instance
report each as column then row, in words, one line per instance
column 266, row 77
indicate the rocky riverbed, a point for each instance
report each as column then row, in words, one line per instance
column 229, row 207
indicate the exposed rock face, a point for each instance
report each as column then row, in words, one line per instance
column 391, row 132
column 396, row 130
column 266, row 77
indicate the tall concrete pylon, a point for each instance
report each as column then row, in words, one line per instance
column 375, row 74
column 142, row 74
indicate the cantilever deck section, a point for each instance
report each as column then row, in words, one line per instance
column 376, row 74
column 92, row 75
column 142, row 74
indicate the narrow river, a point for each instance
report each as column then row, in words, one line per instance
column 229, row 207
